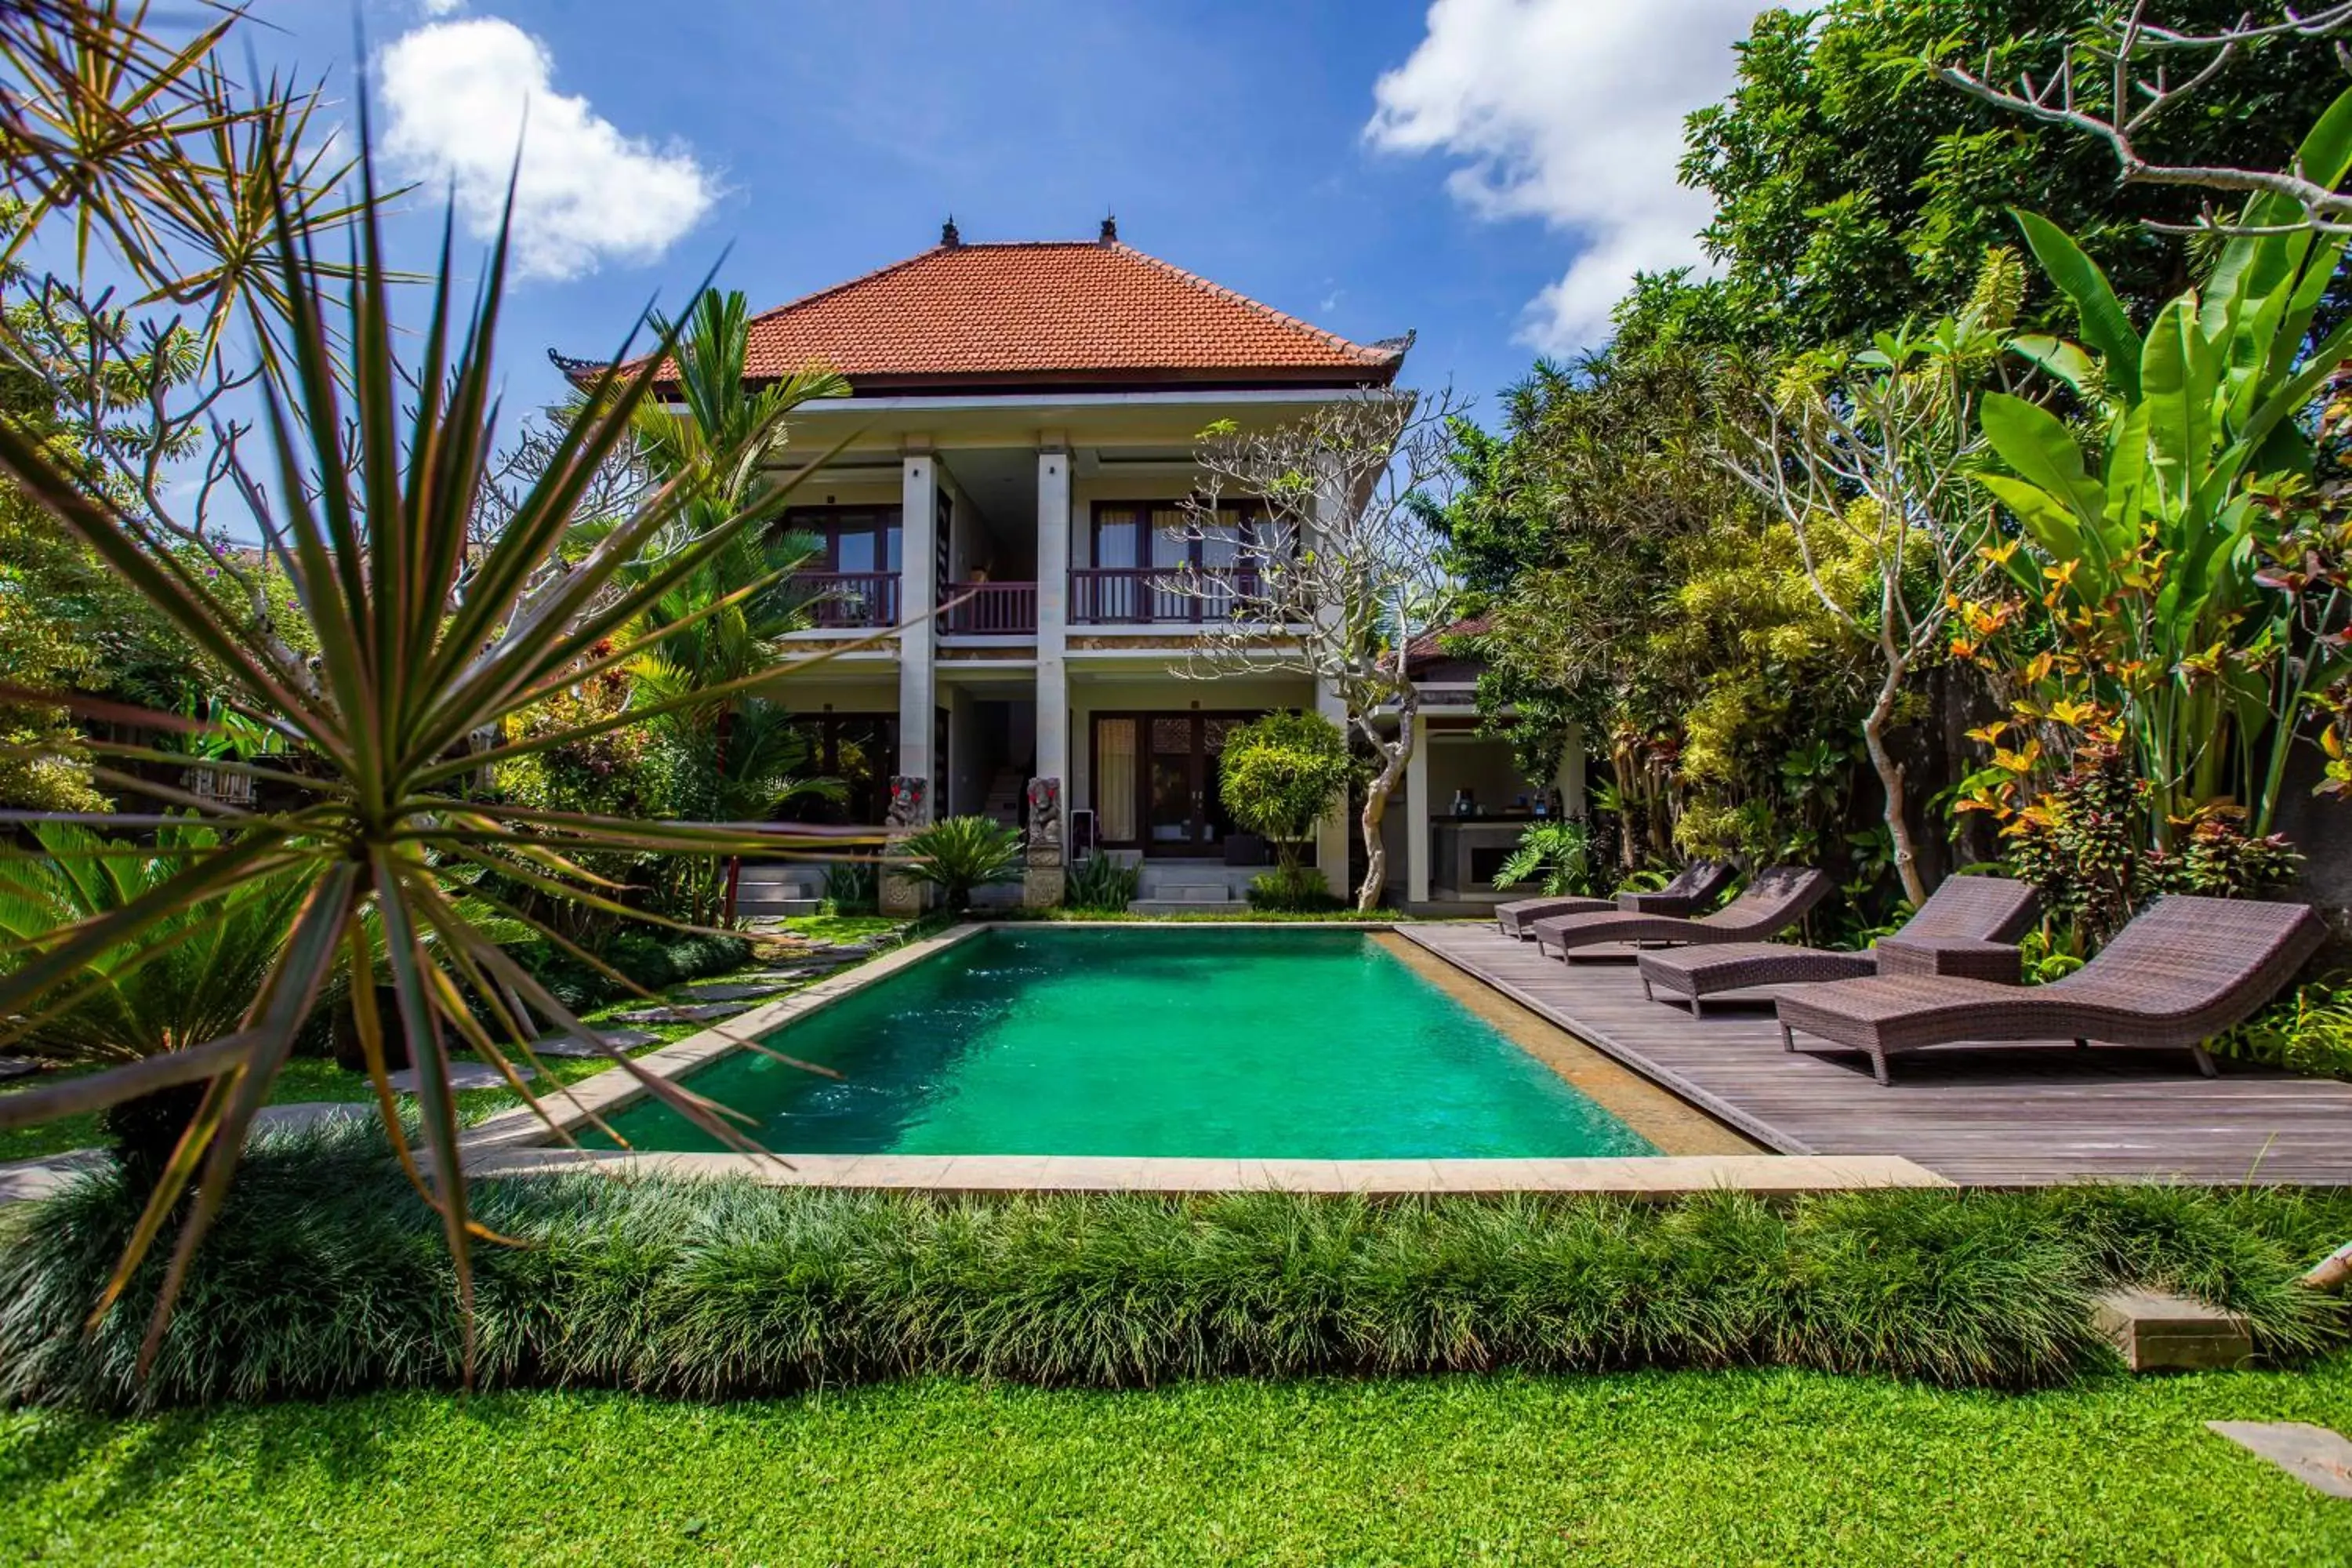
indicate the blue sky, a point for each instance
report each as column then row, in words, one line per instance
column 818, row 141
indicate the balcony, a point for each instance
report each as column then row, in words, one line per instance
column 1149, row 595
column 990, row 609
column 850, row 601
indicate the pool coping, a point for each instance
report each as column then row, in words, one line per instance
column 519, row 1142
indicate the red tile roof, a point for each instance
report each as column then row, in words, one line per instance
column 1053, row 311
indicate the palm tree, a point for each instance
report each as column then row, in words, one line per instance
column 732, row 612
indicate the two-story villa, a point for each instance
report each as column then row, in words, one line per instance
column 1022, row 423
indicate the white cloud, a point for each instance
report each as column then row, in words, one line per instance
column 457, row 95
column 1572, row 112
column 444, row 7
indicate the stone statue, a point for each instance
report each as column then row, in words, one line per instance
column 907, row 810
column 1043, row 880
column 1045, row 822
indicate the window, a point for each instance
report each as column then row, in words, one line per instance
column 850, row 538
column 1122, row 527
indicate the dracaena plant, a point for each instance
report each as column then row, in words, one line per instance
column 427, row 642
column 2144, row 525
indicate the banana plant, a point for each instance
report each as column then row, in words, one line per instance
column 2143, row 519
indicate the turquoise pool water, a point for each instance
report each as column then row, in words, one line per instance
column 1216, row 1043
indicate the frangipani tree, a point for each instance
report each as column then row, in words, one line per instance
column 1330, row 569
column 1867, row 456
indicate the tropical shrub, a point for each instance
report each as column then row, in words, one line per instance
column 2084, row 844
column 2308, row 570
column 2144, row 531
column 851, row 887
column 326, row 1278
column 956, row 854
column 2309, row 1031
column 1293, row 890
column 1555, row 856
column 1101, row 885
column 192, row 980
column 630, row 959
column 1280, row 774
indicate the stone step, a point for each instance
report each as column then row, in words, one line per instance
column 749, row 905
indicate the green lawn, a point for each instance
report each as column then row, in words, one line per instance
column 1650, row 1468
column 842, row 928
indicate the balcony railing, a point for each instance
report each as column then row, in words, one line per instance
column 850, row 601
column 1150, row 595
column 991, row 609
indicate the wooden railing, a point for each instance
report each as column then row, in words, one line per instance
column 990, row 609
column 1150, row 595
column 850, row 601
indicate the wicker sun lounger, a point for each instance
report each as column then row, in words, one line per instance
column 1693, row 886
column 1776, row 899
column 1967, row 927
column 2185, row 970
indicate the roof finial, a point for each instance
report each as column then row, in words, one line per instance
column 1110, row 228
column 947, row 235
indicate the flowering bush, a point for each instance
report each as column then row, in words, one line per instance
column 2083, row 844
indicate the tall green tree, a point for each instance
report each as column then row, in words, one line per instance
column 1855, row 190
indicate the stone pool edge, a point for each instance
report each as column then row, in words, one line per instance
column 516, row 1142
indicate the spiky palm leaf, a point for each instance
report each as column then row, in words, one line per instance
column 423, row 645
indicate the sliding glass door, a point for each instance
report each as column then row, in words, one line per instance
column 1155, row 781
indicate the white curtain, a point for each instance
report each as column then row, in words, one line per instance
column 1114, row 780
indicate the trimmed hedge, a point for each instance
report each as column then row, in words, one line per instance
column 325, row 1275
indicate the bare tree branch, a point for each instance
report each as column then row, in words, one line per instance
column 2133, row 95
column 1319, row 561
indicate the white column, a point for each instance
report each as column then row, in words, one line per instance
column 1338, row 827
column 918, row 519
column 1416, row 815
column 1054, row 620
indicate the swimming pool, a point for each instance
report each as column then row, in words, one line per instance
column 1165, row 1042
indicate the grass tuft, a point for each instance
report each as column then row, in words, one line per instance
column 325, row 1276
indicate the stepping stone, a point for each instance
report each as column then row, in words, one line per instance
column 2156, row 1331
column 462, row 1076
column 619, row 1039
column 23, row 1181
column 700, row 1014
column 313, row 1113
column 2319, row 1458
column 735, row 992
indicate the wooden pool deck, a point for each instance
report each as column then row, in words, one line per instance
column 1990, row 1116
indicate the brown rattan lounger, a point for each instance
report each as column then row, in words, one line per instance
column 1967, row 927
column 2186, row 969
column 1693, row 886
column 1776, row 899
